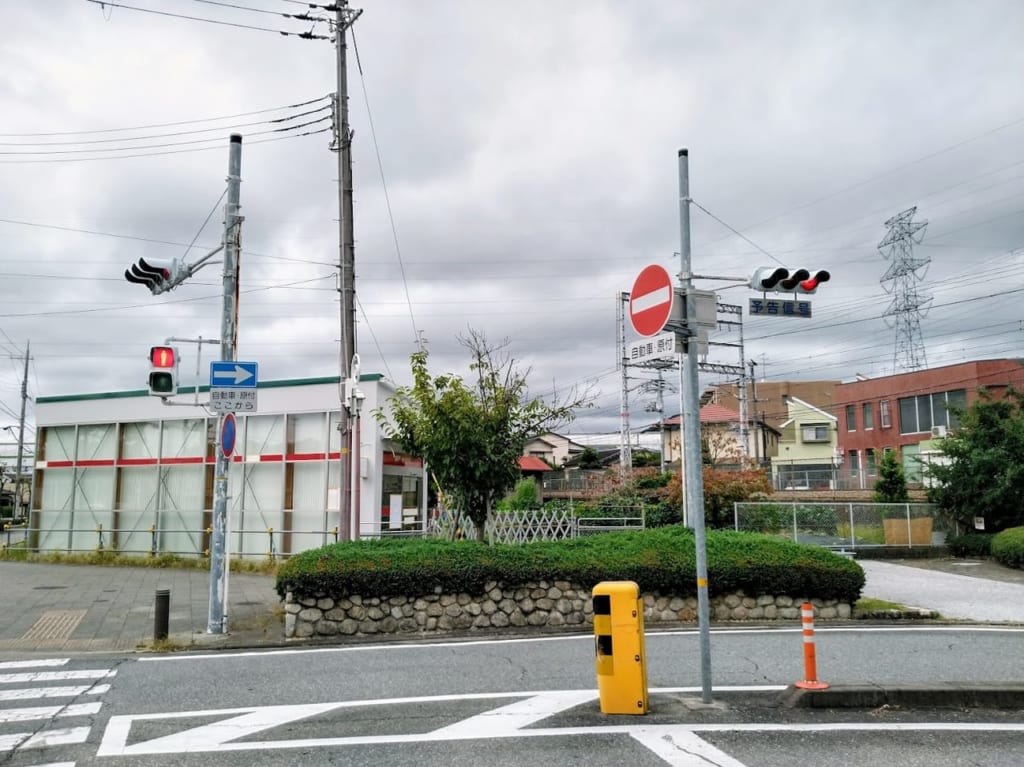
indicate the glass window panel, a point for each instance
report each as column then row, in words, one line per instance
column 869, row 416
column 306, row 433
column 59, row 443
column 924, row 412
column 140, row 440
column 851, row 418
column 869, row 460
column 264, row 434
column 854, row 461
column 911, row 459
column 908, row 415
column 97, row 441
column 883, row 413
column 958, row 399
column 184, row 438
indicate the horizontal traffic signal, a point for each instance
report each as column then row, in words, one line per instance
column 159, row 275
column 778, row 279
column 163, row 371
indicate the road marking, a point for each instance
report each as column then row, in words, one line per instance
column 48, row 712
column 680, row 747
column 12, row 664
column 589, row 638
column 56, row 676
column 515, row 716
column 26, row 740
column 28, row 693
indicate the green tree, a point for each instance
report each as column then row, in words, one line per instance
column 523, row 496
column 891, row 486
column 981, row 474
column 471, row 436
column 589, row 458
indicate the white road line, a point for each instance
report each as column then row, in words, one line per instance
column 48, row 712
column 589, row 637
column 516, row 715
column 680, row 747
column 26, row 740
column 33, row 663
column 56, row 676
column 28, row 693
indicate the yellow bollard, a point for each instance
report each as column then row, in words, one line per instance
column 619, row 648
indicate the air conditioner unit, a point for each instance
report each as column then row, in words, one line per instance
column 938, row 432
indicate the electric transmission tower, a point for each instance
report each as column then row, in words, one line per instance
column 902, row 279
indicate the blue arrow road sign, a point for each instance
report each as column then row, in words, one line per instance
column 230, row 374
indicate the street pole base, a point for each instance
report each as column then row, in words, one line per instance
column 809, row 685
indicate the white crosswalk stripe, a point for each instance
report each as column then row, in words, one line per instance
column 41, row 680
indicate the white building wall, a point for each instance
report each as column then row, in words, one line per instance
column 127, row 472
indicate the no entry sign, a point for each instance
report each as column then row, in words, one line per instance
column 650, row 301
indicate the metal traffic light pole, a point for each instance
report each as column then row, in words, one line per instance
column 217, row 618
column 689, row 393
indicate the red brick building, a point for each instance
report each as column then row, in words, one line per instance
column 905, row 412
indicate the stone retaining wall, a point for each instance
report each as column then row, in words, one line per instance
column 533, row 604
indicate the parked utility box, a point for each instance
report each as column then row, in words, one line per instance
column 619, row 647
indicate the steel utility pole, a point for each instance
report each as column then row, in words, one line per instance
column 693, row 479
column 217, row 619
column 344, row 17
column 21, row 438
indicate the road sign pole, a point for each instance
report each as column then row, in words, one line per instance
column 693, row 479
column 217, row 618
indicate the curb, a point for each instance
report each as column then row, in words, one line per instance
column 946, row 695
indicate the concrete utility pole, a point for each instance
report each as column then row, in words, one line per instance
column 344, row 17
column 217, row 618
column 21, row 439
column 693, row 479
column 625, row 448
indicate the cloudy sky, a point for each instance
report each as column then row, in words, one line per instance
column 515, row 168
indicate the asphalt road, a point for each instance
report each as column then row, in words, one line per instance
column 975, row 590
column 512, row 702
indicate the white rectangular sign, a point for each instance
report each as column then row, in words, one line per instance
column 233, row 400
column 661, row 346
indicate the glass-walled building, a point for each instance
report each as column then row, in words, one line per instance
column 121, row 471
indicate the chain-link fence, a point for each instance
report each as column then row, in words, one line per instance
column 845, row 525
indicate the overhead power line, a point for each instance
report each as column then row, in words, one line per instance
column 302, row 35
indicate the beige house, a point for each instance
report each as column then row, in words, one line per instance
column 808, row 454
column 722, row 436
column 552, row 448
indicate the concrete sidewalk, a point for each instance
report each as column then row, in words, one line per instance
column 84, row 608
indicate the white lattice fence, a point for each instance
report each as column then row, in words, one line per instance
column 528, row 525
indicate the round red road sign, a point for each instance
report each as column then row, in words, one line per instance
column 650, row 301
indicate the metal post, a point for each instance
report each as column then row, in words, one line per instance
column 216, row 622
column 161, row 614
column 693, row 477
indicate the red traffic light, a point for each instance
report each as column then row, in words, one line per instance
column 162, row 357
column 811, row 284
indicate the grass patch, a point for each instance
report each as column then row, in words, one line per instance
column 869, row 605
column 114, row 559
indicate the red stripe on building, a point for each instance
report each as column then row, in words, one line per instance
column 305, row 456
column 271, row 458
column 136, row 462
column 188, row 459
column 59, row 464
column 96, row 462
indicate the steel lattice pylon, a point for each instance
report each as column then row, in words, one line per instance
column 904, row 275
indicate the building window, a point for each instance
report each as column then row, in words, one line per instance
column 851, row 418
column 814, row 432
column 854, row 462
column 869, row 417
column 921, row 413
column 883, row 414
column 869, row 460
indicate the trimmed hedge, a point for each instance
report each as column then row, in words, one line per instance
column 662, row 560
column 1008, row 547
column 970, row 545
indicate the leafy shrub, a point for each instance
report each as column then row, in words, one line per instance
column 1008, row 547
column 721, row 490
column 970, row 545
column 657, row 560
column 523, row 496
column 818, row 518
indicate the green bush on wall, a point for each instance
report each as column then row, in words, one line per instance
column 662, row 560
column 1008, row 547
column 970, row 545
